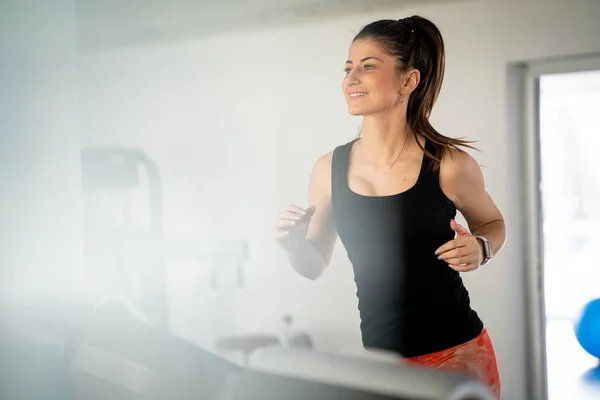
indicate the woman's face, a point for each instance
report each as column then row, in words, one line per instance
column 372, row 83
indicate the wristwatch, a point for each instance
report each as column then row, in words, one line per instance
column 487, row 249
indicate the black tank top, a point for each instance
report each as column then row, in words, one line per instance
column 409, row 301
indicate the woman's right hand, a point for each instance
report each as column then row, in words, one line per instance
column 292, row 226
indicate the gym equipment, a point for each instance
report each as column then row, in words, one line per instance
column 125, row 250
column 246, row 344
column 123, row 229
column 294, row 338
column 64, row 349
column 587, row 328
column 299, row 374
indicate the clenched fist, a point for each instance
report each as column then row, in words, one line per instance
column 292, row 225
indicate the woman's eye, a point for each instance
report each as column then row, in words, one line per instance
column 347, row 70
column 369, row 66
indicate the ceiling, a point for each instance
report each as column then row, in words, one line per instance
column 106, row 24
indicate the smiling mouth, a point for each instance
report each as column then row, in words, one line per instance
column 357, row 95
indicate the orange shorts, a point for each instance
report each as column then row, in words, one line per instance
column 476, row 357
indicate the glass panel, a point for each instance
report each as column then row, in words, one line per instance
column 570, row 187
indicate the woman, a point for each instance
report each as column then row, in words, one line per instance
column 391, row 196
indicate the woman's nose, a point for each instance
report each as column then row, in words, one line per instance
column 352, row 78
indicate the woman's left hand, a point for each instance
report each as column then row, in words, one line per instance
column 464, row 253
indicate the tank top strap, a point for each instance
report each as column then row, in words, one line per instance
column 339, row 169
column 427, row 165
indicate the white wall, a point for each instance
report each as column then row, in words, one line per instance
column 236, row 123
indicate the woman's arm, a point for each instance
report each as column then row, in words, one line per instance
column 313, row 253
column 462, row 181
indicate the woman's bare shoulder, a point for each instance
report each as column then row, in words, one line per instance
column 457, row 162
column 321, row 173
column 458, row 168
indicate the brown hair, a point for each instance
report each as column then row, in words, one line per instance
column 417, row 43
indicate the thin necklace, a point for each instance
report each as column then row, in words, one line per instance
column 397, row 157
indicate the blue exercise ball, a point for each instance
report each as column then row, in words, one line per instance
column 587, row 328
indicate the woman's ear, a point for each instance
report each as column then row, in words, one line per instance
column 410, row 81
